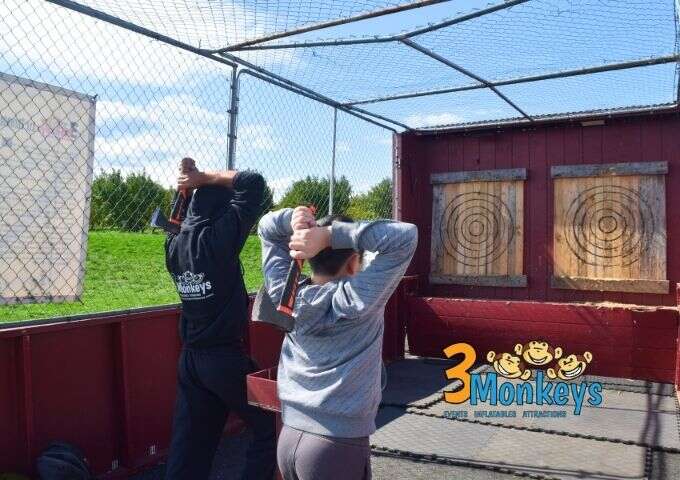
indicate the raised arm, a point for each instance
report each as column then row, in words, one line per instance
column 394, row 242
column 275, row 230
column 245, row 206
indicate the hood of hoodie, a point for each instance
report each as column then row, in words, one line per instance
column 207, row 205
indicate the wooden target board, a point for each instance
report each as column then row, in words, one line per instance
column 610, row 227
column 477, row 228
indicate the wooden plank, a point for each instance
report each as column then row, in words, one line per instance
column 607, row 169
column 556, row 334
column 609, row 234
column 677, row 352
column 537, row 223
column 480, row 280
column 544, row 312
column 603, row 354
column 475, row 233
column 436, row 255
column 615, row 364
column 611, row 285
column 479, row 176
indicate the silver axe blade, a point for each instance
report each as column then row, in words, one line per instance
column 158, row 220
column 265, row 311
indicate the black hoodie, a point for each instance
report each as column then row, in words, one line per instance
column 203, row 260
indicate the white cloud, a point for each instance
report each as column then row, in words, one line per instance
column 53, row 38
column 176, row 127
column 280, row 186
column 256, row 137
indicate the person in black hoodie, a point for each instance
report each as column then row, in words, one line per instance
column 203, row 260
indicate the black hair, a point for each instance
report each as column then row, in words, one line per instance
column 329, row 261
column 210, row 202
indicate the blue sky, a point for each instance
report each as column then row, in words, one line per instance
column 157, row 104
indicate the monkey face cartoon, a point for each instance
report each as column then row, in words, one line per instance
column 508, row 365
column 571, row 367
column 538, row 353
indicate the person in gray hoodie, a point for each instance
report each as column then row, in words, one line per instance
column 330, row 365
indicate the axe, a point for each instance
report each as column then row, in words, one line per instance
column 287, row 301
column 280, row 316
column 180, row 204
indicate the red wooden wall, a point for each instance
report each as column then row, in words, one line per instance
column 629, row 139
column 626, row 341
column 107, row 384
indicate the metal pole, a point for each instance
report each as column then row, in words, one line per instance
column 233, row 118
column 569, row 117
column 300, row 88
column 607, row 67
column 392, row 38
column 319, row 98
column 332, row 180
column 464, row 71
column 332, row 23
column 105, row 17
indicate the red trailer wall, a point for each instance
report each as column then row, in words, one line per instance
column 632, row 139
column 107, row 384
column 435, row 323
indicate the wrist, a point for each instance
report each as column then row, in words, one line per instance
column 327, row 236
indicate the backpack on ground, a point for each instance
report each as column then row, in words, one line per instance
column 63, row 461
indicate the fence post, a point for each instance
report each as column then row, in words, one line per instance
column 332, row 180
column 233, row 118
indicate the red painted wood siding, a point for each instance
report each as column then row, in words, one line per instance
column 632, row 139
column 107, row 384
column 627, row 343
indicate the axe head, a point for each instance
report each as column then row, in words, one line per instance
column 158, row 220
column 265, row 311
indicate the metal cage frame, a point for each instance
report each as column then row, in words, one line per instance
column 228, row 55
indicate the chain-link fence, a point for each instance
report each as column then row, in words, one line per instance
column 99, row 101
column 93, row 122
column 313, row 154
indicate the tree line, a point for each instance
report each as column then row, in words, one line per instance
column 126, row 202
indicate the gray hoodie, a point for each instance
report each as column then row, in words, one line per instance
column 330, row 364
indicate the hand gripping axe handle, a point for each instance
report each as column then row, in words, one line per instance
column 287, row 302
column 180, row 204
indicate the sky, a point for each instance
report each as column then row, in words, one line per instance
column 156, row 104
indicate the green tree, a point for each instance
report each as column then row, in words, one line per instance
column 267, row 205
column 376, row 203
column 143, row 195
column 108, row 191
column 380, row 199
column 126, row 203
column 315, row 191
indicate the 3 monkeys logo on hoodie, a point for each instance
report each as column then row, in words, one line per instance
column 193, row 286
column 523, row 377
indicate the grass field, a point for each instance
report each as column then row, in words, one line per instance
column 126, row 270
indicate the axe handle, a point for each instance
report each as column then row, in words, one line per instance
column 179, row 206
column 287, row 301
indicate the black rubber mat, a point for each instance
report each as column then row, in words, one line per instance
column 633, row 434
column 415, row 441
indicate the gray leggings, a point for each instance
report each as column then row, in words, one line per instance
column 308, row 456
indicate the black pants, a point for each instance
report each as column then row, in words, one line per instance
column 210, row 385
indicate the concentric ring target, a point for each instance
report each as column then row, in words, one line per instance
column 476, row 228
column 609, row 226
